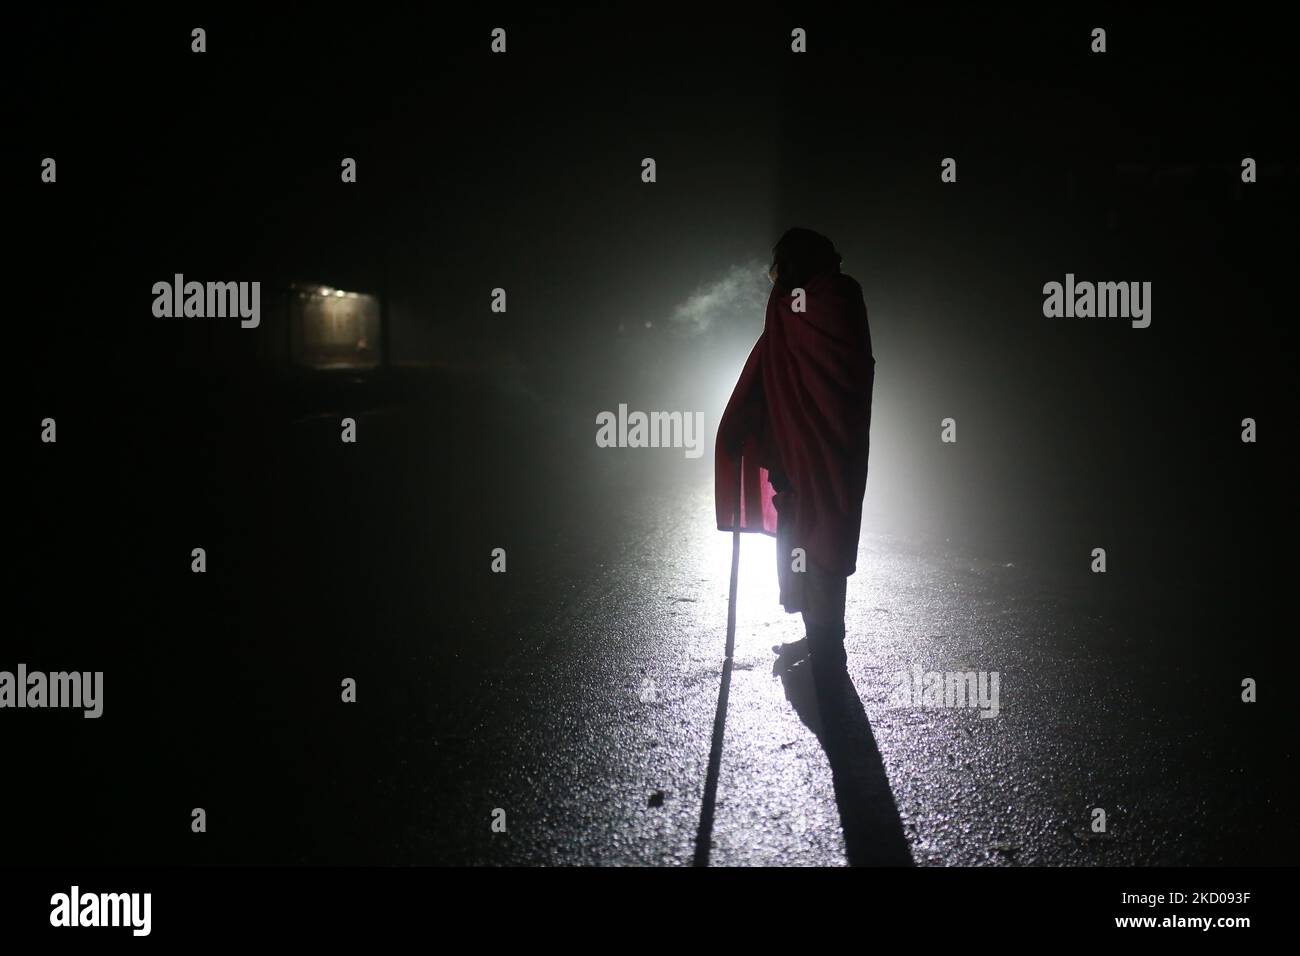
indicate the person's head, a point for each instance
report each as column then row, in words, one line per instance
column 798, row 256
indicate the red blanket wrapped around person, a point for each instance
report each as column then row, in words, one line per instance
column 802, row 410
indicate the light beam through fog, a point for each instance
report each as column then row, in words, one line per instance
column 735, row 298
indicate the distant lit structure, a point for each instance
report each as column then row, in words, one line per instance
column 332, row 328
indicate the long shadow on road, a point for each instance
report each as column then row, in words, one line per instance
column 873, row 830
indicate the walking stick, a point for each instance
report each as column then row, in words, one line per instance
column 735, row 565
column 704, row 836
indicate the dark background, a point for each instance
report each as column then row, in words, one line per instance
column 523, row 171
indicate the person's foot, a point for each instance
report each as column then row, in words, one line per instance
column 789, row 657
column 793, row 652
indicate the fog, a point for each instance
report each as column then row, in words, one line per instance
column 526, row 177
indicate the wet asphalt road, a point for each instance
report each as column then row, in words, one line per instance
column 576, row 692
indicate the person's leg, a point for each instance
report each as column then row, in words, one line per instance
column 824, row 594
column 789, row 582
column 823, row 615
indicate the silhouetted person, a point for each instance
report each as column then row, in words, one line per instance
column 795, row 437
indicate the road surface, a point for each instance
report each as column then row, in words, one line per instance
column 571, row 699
